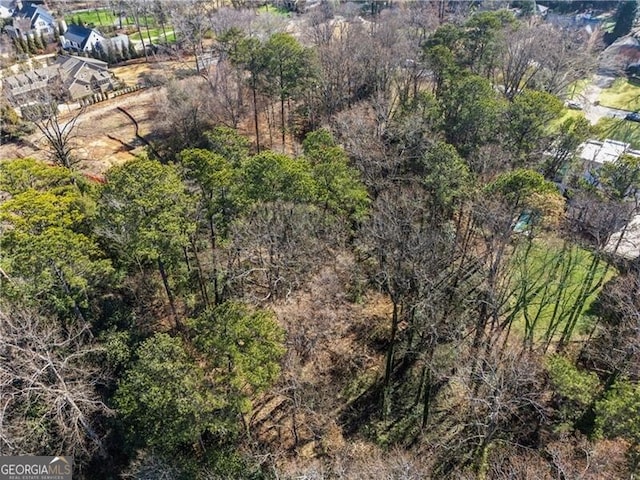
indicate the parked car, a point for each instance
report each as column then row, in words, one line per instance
column 573, row 105
column 633, row 117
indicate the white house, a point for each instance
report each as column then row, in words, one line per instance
column 82, row 39
column 594, row 154
column 31, row 20
column 7, row 7
column 626, row 242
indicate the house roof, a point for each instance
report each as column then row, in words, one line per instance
column 6, row 8
column 77, row 73
column 603, row 152
column 33, row 12
column 69, row 62
column 80, row 35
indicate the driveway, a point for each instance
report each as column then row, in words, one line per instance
column 589, row 99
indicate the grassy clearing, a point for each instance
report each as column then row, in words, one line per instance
column 157, row 36
column 567, row 114
column 95, row 17
column 577, row 88
column 623, row 94
column 274, row 10
column 619, row 129
column 552, row 282
column 152, row 32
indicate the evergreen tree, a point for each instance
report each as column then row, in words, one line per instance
column 31, row 45
column 44, row 40
column 625, row 16
column 110, row 54
column 19, row 46
column 118, row 55
column 132, row 50
column 38, row 43
column 23, row 45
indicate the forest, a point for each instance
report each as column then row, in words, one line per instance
column 363, row 250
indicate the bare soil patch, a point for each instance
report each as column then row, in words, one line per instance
column 105, row 136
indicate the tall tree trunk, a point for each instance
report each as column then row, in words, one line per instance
column 164, row 33
column 136, row 19
column 202, row 284
column 172, row 303
column 146, row 25
column 255, row 111
column 389, row 361
column 214, row 261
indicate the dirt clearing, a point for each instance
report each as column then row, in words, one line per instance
column 104, row 135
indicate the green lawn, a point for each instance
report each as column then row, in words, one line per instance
column 95, row 17
column 103, row 17
column 607, row 26
column 577, row 87
column 157, row 36
column 274, row 10
column 567, row 114
column 549, row 279
column 153, row 33
column 623, row 94
column 619, row 129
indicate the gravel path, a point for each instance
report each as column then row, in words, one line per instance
column 589, row 98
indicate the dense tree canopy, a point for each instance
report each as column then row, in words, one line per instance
column 359, row 245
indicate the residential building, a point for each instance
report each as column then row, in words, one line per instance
column 77, row 77
column 83, row 77
column 594, row 154
column 82, row 39
column 7, row 7
column 31, row 20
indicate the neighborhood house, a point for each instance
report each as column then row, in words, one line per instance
column 79, row 78
column 82, row 39
column 30, row 20
column 594, row 154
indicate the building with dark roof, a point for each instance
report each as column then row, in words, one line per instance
column 82, row 39
column 77, row 77
column 31, row 20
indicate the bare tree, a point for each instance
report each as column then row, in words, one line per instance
column 48, row 379
column 185, row 112
column 277, row 247
column 42, row 108
column 192, row 20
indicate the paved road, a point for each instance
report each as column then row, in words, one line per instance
column 590, row 96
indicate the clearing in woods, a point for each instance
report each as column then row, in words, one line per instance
column 105, row 136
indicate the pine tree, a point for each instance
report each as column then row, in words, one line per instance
column 625, row 16
column 31, row 45
column 117, row 51
column 132, row 50
column 37, row 43
column 44, row 40
column 110, row 54
column 19, row 47
column 23, row 45
column 126, row 54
